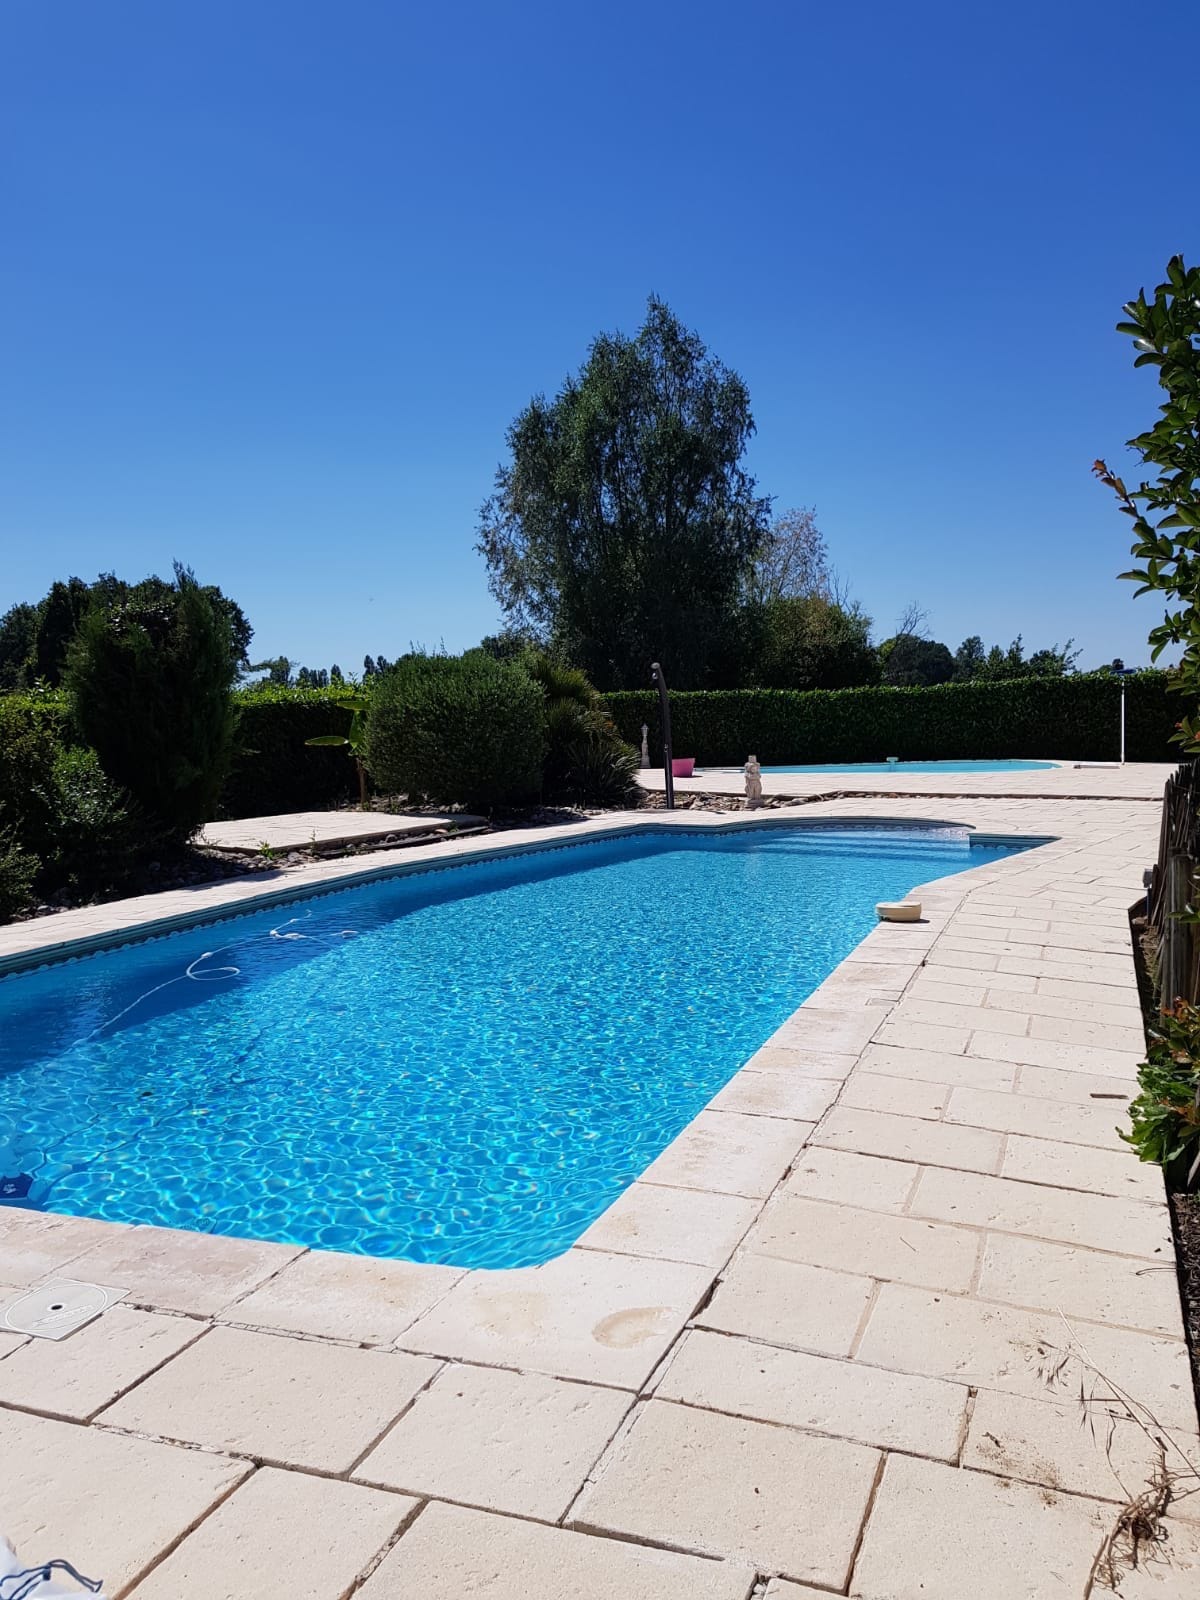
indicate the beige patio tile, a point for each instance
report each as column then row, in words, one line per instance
column 846, row 1239
column 281, row 1536
column 811, row 1063
column 451, row 1552
column 853, row 978
column 943, row 955
column 928, row 986
column 1084, row 992
column 169, row 1269
column 909, row 1139
column 782, row 1501
column 850, row 1179
column 1121, row 1008
column 936, row 1066
column 948, row 1015
column 1055, row 1053
column 53, row 1506
column 923, row 1036
column 991, row 982
column 505, row 1441
column 1082, row 1283
column 874, row 1091
column 815, row 1029
column 1103, row 1452
column 731, row 1153
column 1073, row 966
column 282, row 1400
column 360, row 1298
column 1080, row 1088
column 34, row 1244
column 1075, row 1031
column 941, row 1533
column 789, row 1303
column 1103, row 1222
column 777, row 1093
column 1117, row 1171
column 589, row 1315
column 693, row 1225
column 999, row 1347
column 1029, row 1114
column 782, row 1589
column 76, row 1376
column 844, row 1398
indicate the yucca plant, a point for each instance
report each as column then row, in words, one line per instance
column 586, row 758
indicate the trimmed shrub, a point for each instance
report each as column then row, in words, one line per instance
column 456, row 730
column 1073, row 718
column 149, row 682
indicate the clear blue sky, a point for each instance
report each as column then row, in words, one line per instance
column 276, row 276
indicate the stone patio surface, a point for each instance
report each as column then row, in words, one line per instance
column 302, row 830
column 810, row 1351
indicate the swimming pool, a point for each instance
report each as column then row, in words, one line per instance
column 463, row 1065
column 900, row 768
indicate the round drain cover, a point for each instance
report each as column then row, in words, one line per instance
column 53, row 1310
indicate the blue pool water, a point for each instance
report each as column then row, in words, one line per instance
column 902, row 767
column 463, row 1065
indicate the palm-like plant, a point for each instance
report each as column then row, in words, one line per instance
column 353, row 740
column 586, row 759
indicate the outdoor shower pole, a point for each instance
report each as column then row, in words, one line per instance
column 656, row 673
column 1123, row 673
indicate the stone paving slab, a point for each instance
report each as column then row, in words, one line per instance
column 452, row 1552
column 774, row 1498
column 865, row 1404
column 500, row 1412
column 789, row 1303
column 281, row 1536
column 302, row 830
column 334, row 1296
column 293, row 1402
column 74, row 1378
column 114, row 1503
column 941, row 1533
column 601, row 1318
column 694, row 1225
column 845, row 1239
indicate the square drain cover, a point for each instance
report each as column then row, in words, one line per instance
column 53, row 1310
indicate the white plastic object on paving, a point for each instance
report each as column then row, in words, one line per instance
column 53, row 1310
column 52, row 1580
column 899, row 911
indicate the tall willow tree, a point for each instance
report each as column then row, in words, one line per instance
column 623, row 527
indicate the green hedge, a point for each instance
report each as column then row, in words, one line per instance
column 272, row 770
column 1073, row 718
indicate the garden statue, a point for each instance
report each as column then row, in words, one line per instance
column 753, row 784
column 645, row 744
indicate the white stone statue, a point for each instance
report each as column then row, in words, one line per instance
column 753, row 784
column 645, row 744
